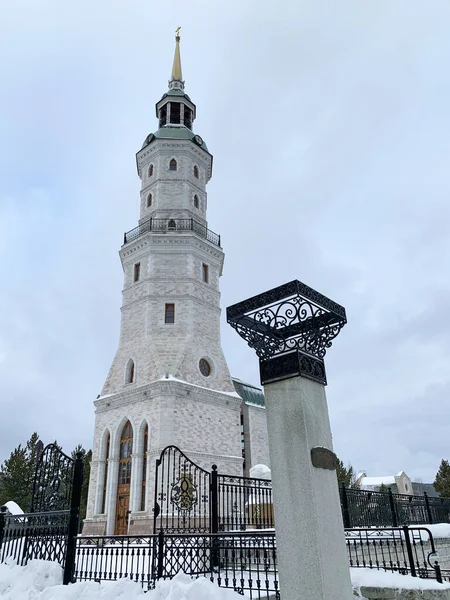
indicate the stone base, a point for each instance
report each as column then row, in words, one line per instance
column 91, row 527
column 386, row 593
column 140, row 526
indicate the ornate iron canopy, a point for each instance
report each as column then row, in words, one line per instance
column 290, row 328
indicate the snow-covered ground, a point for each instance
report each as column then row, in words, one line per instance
column 41, row 580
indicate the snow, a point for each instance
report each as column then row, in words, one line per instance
column 202, row 387
column 260, row 472
column 13, row 508
column 439, row 530
column 374, row 578
column 42, row 580
column 376, row 481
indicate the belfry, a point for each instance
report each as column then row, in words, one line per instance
column 169, row 382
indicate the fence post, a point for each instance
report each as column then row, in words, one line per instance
column 2, row 530
column 345, row 511
column 214, row 501
column 214, row 517
column 412, row 566
column 437, row 570
column 159, row 571
column 427, row 506
column 393, row 511
column 74, row 518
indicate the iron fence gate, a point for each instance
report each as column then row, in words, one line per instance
column 49, row 530
column 189, row 499
column 182, row 494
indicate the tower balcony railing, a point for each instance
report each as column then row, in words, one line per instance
column 172, row 226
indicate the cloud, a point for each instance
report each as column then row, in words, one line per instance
column 329, row 128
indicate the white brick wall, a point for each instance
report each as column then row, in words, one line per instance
column 202, row 416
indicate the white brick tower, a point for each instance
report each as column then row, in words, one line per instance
column 169, row 382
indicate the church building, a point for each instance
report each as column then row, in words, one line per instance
column 169, row 382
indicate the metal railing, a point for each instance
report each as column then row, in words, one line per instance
column 404, row 550
column 362, row 508
column 171, row 226
column 244, row 503
column 244, row 562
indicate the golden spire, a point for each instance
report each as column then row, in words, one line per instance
column 176, row 69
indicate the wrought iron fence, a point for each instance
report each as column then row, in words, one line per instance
column 34, row 535
column 170, row 226
column 405, row 550
column 189, row 499
column 362, row 508
column 49, row 530
column 244, row 503
column 244, row 562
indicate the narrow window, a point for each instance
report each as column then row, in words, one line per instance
column 150, row 171
column 175, row 112
column 144, row 468
column 137, row 271
column 169, row 316
column 171, row 224
column 205, row 273
column 149, row 200
column 105, row 478
column 173, row 165
column 130, row 372
column 196, row 171
column 196, row 203
column 126, row 449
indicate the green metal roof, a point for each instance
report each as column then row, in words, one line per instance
column 177, row 133
column 250, row 394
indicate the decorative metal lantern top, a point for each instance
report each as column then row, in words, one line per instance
column 290, row 328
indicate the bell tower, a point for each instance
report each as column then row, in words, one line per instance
column 169, row 382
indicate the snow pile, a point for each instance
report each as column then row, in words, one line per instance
column 374, row 578
column 42, row 580
column 13, row 508
column 260, row 472
column 440, row 530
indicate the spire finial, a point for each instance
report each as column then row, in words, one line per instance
column 176, row 69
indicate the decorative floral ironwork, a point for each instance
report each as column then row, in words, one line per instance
column 290, row 317
column 184, row 493
column 52, row 486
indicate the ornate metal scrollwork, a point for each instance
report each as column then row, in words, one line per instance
column 293, row 321
column 184, row 493
column 52, row 486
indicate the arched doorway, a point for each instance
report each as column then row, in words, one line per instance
column 123, row 487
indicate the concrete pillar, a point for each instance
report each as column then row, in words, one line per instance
column 111, row 495
column 313, row 561
column 291, row 327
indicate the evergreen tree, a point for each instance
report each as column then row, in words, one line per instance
column 442, row 481
column 17, row 474
column 383, row 488
column 346, row 475
column 87, row 457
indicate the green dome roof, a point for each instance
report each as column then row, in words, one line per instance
column 177, row 133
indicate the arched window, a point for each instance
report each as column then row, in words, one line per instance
column 105, row 478
column 196, row 202
column 150, row 171
column 196, row 171
column 149, row 200
column 144, row 468
column 173, row 165
column 171, row 224
column 129, row 377
column 126, row 449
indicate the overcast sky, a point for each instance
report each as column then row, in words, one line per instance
column 329, row 123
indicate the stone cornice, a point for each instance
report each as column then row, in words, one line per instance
column 185, row 238
column 158, row 389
